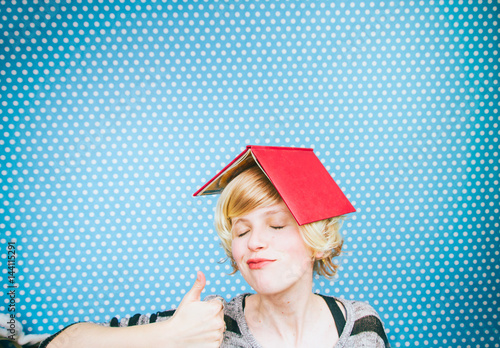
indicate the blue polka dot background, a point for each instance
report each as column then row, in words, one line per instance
column 114, row 112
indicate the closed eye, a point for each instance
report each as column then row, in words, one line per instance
column 241, row 234
column 277, row 227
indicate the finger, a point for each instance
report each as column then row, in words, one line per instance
column 219, row 302
column 194, row 294
column 222, row 337
column 221, row 326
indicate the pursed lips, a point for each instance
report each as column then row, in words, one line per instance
column 258, row 263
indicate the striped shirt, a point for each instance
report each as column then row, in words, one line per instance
column 361, row 326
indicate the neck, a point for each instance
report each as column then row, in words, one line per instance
column 283, row 307
column 284, row 313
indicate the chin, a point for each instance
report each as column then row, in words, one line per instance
column 268, row 290
column 271, row 283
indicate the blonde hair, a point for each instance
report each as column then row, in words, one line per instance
column 251, row 190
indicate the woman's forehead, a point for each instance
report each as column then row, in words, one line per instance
column 263, row 212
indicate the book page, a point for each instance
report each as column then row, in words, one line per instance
column 224, row 177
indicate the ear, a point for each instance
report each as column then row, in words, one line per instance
column 318, row 256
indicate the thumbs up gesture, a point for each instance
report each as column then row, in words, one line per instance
column 198, row 323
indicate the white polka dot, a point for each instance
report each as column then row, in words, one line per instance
column 113, row 115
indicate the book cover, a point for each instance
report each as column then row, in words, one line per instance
column 304, row 184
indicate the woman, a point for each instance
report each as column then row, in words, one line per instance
column 277, row 258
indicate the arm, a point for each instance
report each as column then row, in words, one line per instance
column 83, row 335
column 194, row 324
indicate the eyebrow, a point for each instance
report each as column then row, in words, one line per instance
column 271, row 212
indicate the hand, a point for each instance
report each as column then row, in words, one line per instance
column 198, row 323
column 194, row 324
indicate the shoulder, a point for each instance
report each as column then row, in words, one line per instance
column 356, row 309
column 237, row 303
column 234, row 312
column 366, row 319
column 363, row 323
column 360, row 309
column 236, row 333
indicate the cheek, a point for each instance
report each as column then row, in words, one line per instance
column 237, row 250
column 297, row 247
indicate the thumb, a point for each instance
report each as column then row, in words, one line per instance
column 194, row 295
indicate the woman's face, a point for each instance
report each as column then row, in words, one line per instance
column 270, row 252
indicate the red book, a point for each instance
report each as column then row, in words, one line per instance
column 302, row 181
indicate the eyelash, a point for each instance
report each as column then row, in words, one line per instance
column 273, row 227
column 242, row 234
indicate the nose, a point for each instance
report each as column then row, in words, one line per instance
column 257, row 240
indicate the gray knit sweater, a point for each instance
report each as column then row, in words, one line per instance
column 362, row 328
